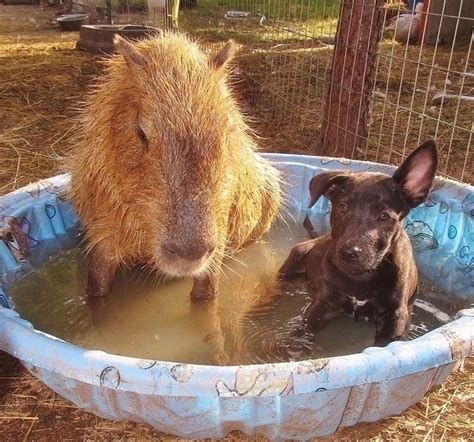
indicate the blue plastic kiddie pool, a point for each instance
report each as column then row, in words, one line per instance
column 295, row 400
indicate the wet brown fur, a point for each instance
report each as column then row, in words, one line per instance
column 198, row 169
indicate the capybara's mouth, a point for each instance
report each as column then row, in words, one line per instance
column 183, row 268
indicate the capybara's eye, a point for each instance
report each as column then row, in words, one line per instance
column 342, row 207
column 384, row 216
column 142, row 137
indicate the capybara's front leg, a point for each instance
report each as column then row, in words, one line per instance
column 205, row 287
column 102, row 270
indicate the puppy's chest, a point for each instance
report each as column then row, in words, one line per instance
column 359, row 308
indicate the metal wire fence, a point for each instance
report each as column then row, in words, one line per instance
column 424, row 72
column 424, row 80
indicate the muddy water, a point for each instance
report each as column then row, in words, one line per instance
column 253, row 320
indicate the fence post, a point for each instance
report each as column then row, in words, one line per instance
column 344, row 128
column 109, row 11
column 174, row 14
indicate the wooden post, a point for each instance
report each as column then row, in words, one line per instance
column 345, row 124
column 424, row 22
column 174, row 14
column 108, row 4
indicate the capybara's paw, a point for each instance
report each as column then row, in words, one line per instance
column 204, row 288
column 203, row 294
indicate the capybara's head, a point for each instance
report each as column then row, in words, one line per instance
column 368, row 208
column 167, row 140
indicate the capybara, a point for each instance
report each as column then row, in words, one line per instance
column 165, row 171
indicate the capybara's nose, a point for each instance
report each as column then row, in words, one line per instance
column 192, row 252
column 350, row 252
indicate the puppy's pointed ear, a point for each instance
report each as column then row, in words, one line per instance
column 221, row 58
column 129, row 52
column 327, row 184
column 416, row 174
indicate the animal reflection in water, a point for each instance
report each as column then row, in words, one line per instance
column 248, row 323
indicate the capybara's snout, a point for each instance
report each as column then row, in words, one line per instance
column 187, row 252
column 192, row 252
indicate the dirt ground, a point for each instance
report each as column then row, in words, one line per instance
column 42, row 78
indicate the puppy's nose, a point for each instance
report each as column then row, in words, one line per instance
column 191, row 252
column 350, row 253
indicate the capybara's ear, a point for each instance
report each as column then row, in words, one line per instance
column 131, row 54
column 416, row 174
column 220, row 59
column 327, row 184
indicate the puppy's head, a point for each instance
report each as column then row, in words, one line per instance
column 367, row 208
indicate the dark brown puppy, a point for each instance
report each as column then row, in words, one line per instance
column 365, row 266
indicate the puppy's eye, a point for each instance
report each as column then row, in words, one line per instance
column 342, row 207
column 384, row 216
column 142, row 136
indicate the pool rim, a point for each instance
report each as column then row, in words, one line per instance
column 444, row 345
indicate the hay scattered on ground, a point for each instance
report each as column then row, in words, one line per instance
column 42, row 78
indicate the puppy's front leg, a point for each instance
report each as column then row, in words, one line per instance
column 325, row 307
column 392, row 326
